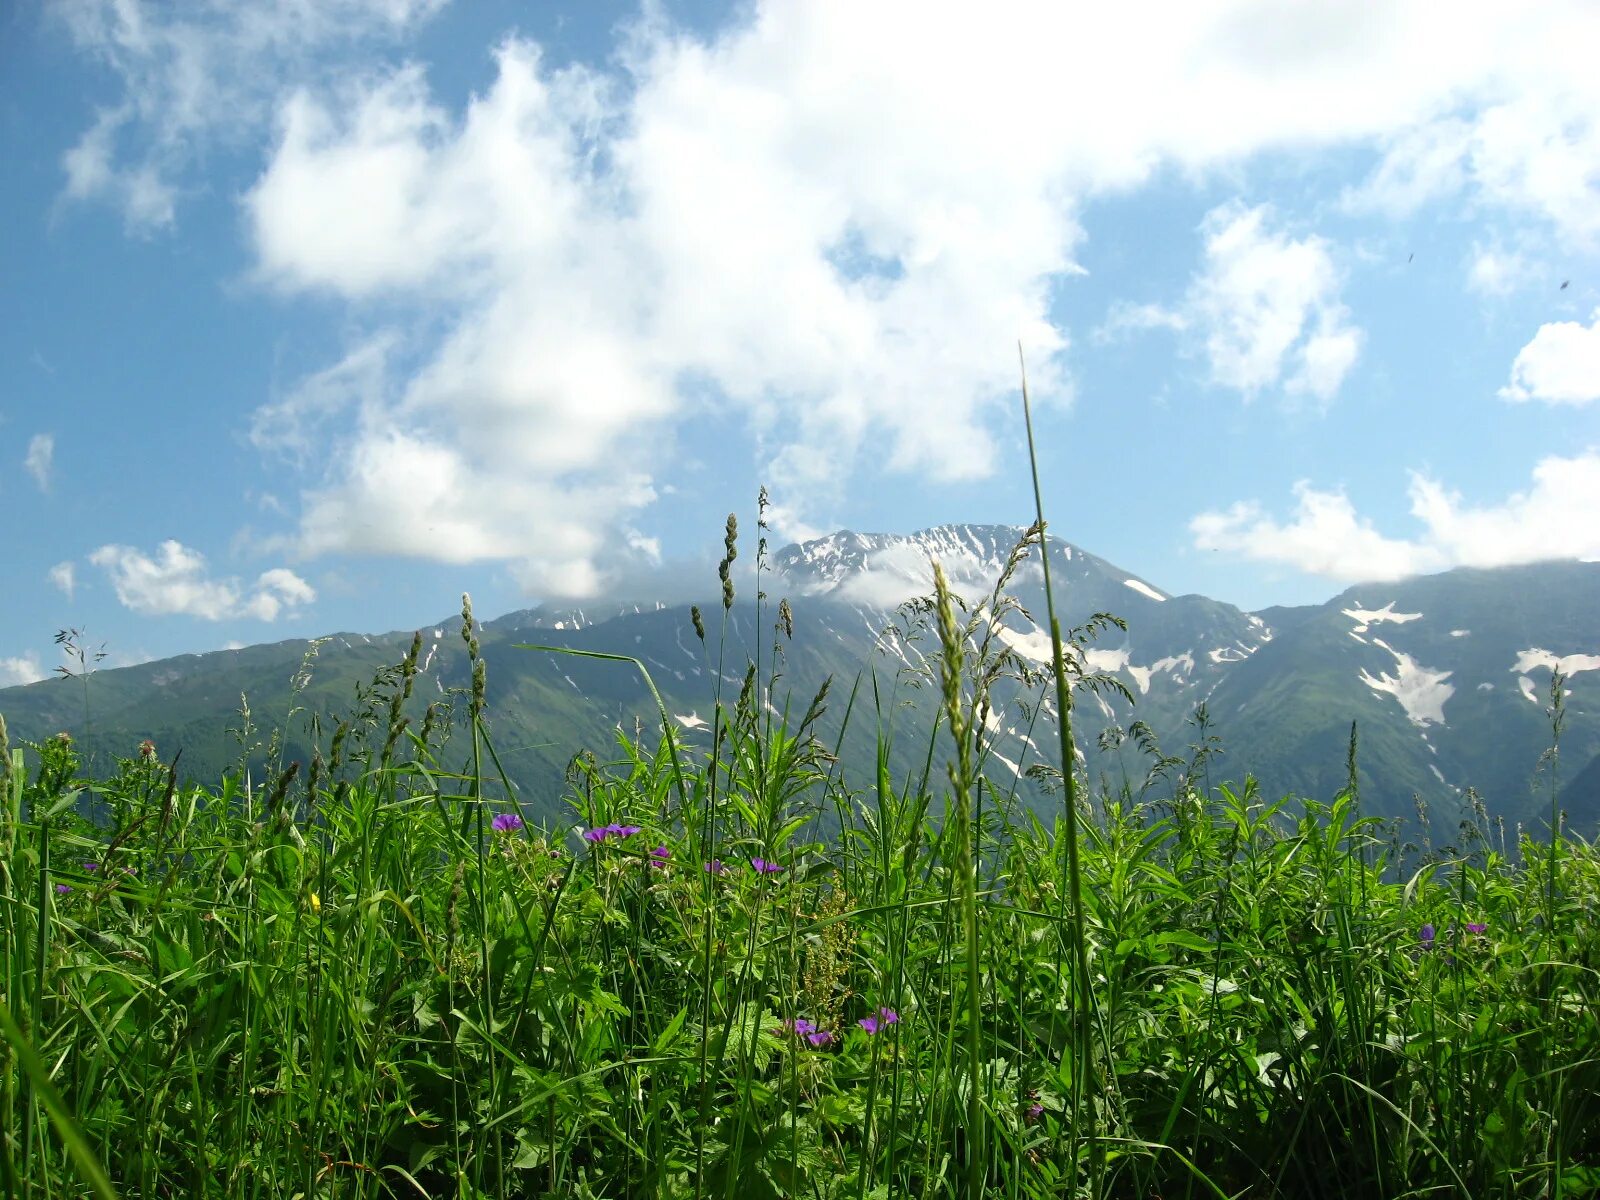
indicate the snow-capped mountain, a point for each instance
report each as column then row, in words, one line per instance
column 1448, row 676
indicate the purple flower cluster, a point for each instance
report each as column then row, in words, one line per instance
column 762, row 867
column 659, row 856
column 506, row 823
column 881, row 1019
column 808, row 1030
column 610, row 831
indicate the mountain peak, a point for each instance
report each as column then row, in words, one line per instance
column 882, row 570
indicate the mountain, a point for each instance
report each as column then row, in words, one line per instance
column 1447, row 677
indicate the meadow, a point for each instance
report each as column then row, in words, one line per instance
column 728, row 969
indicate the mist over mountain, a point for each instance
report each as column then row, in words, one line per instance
column 1447, row 677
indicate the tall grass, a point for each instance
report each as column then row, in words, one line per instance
column 379, row 980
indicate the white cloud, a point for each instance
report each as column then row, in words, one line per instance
column 1264, row 309
column 195, row 75
column 1496, row 271
column 833, row 220
column 1324, row 537
column 1552, row 519
column 176, row 581
column 40, row 458
column 22, row 669
column 1561, row 365
column 1514, row 121
column 65, row 576
column 1268, row 308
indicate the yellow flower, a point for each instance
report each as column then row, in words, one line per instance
column 316, row 903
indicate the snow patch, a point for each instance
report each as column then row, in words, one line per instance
column 1033, row 644
column 1525, row 686
column 1016, row 770
column 692, row 721
column 1144, row 589
column 1486, row 687
column 1437, row 774
column 1106, row 660
column 1184, row 660
column 1461, row 633
column 1364, row 617
column 1422, row 692
column 1568, row 665
column 1237, row 652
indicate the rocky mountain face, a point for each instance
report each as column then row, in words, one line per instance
column 1446, row 677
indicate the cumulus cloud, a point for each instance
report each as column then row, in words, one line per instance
column 196, row 75
column 1264, row 308
column 40, row 458
column 1561, row 365
column 1325, row 536
column 176, row 580
column 65, row 576
column 23, row 668
column 831, row 222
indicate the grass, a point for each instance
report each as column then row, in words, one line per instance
column 758, row 977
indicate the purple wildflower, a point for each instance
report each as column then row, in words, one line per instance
column 91, row 867
column 596, row 835
column 717, row 867
column 506, row 823
column 1477, row 927
column 623, row 830
column 762, row 867
column 881, row 1019
column 1427, row 937
column 63, row 888
column 659, row 856
column 801, row 1027
column 1035, row 1111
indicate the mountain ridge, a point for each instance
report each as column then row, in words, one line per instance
column 1427, row 667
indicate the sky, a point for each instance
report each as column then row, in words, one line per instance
column 315, row 314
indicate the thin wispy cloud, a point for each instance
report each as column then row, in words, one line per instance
column 40, row 458
column 65, row 577
column 198, row 76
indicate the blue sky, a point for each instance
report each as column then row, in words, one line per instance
column 316, row 313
